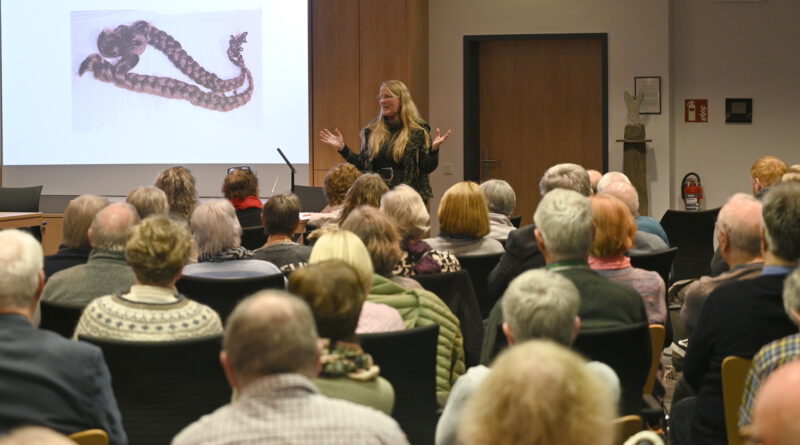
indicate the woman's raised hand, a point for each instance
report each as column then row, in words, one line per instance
column 330, row 138
column 439, row 138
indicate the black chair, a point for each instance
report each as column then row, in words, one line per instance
column 22, row 199
column 222, row 294
column 60, row 318
column 661, row 262
column 253, row 237
column 161, row 387
column 479, row 267
column 408, row 360
column 628, row 351
column 312, row 199
column 516, row 221
column 455, row 289
column 693, row 234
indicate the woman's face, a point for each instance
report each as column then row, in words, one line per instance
column 390, row 104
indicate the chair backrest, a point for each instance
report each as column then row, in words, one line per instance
column 479, row 267
column 161, row 387
column 628, row 351
column 20, row 199
column 223, row 294
column 659, row 261
column 312, row 199
column 253, row 237
column 693, row 234
column 90, row 437
column 455, row 289
column 657, row 334
column 408, row 360
column 626, row 427
column 516, row 221
column 59, row 318
column 734, row 374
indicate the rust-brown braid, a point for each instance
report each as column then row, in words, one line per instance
column 128, row 42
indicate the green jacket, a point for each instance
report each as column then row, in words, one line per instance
column 422, row 308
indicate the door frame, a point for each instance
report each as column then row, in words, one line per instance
column 472, row 131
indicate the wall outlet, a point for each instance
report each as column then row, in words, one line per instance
column 448, row 169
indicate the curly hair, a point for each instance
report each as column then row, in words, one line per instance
column 338, row 181
column 239, row 184
column 158, row 249
column 366, row 190
column 179, row 185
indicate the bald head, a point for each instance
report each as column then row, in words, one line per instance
column 625, row 192
column 112, row 226
column 739, row 224
column 776, row 409
column 610, row 178
column 594, row 178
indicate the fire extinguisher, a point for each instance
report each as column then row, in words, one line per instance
column 692, row 192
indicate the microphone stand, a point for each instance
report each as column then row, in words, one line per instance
column 291, row 167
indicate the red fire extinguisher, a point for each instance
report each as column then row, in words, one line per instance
column 692, row 192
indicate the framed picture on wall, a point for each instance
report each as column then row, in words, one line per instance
column 651, row 87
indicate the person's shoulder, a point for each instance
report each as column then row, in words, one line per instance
column 359, row 418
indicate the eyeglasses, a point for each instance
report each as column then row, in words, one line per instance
column 243, row 167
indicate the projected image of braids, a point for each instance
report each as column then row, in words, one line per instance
column 129, row 42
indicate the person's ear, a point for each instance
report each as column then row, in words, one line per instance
column 230, row 374
column 764, row 244
column 537, row 235
column 724, row 241
column 576, row 328
column 89, row 236
column 509, row 335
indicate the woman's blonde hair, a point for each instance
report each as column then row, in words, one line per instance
column 148, row 201
column 409, row 117
column 379, row 235
column 463, row 211
column 366, row 190
column 340, row 244
column 405, row 206
column 539, row 393
column 615, row 228
column 158, row 249
column 216, row 227
column 179, row 185
column 78, row 217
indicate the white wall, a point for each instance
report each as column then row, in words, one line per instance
column 638, row 45
column 732, row 50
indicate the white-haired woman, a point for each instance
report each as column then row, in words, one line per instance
column 501, row 199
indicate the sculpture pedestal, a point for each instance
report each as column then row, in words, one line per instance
column 634, row 165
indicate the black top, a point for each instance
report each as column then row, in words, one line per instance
column 521, row 254
column 65, row 258
column 249, row 217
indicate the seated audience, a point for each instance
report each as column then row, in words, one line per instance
column 367, row 189
column 738, row 318
column 418, row 307
column 650, row 236
column 464, row 222
column 614, row 233
column 335, row 294
column 152, row 310
column 521, row 252
column 280, row 218
column 738, row 231
column 218, row 235
column 539, row 393
column 179, row 186
column 382, row 241
column 148, row 201
column 539, row 304
column 776, row 409
column 106, row 271
column 405, row 207
column 46, row 379
column 774, row 354
column 792, row 175
column 270, row 356
column 765, row 172
column 501, row 200
column 75, row 247
column 335, row 185
column 564, row 236
column 241, row 189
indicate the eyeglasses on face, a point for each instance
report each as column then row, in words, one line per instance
column 243, row 167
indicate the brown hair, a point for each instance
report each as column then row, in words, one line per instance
column 239, row 184
column 179, row 185
column 615, row 228
column 338, row 181
column 281, row 214
column 380, row 236
column 768, row 170
column 78, row 218
column 366, row 190
column 463, row 211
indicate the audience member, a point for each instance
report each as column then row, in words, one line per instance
column 218, row 235
column 609, row 178
column 614, row 233
column 75, row 247
column 501, row 200
column 738, row 318
column 106, row 271
column 270, row 355
column 367, row 189
column 382, row 241
column 564, row 236
column 594, row 178
column 46, row 379
column 765, row 172
column 280, row 218
column 335, row 184
column 738, row 231
column 521, row 252
column 335, row 294
column 152, row 310
column 179, row 186
column 776, row 409
column 405, row 207
column 792, row 175
column 650, row 235
column 774, row 354
column 418, row 307
column 538, row 304
column 539, row 393
column 464, row 222
column 148, row 201
column 241, row 189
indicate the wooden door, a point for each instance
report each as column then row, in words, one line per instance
column 541, row 101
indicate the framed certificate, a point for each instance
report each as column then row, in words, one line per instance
column 651, row 87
